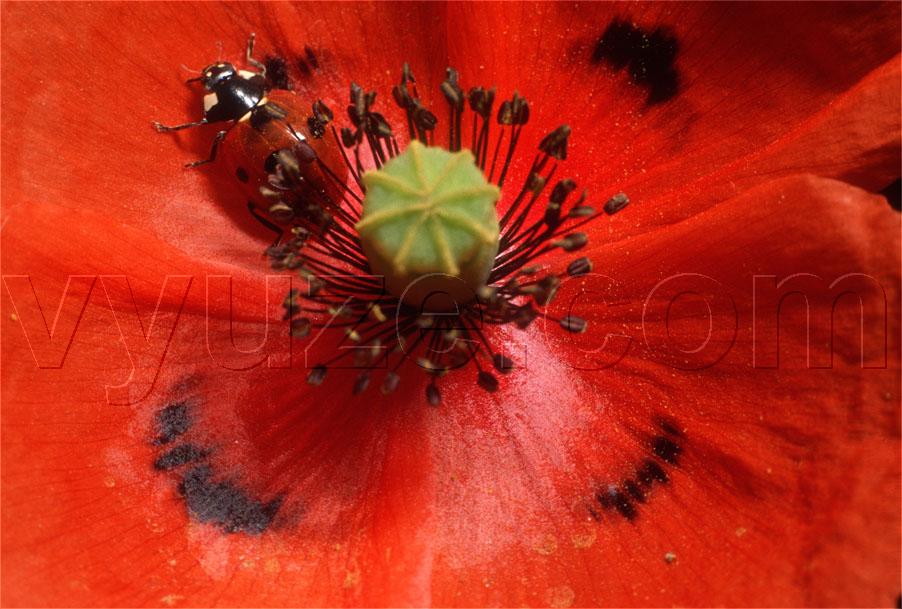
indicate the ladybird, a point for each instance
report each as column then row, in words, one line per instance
column 258, row 123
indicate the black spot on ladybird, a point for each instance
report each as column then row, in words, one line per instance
column 241, row 174
column 271, row 162
column 223, row 504
column 893, row 194
column 648, row 55
column 178, row 456
column 171, row 422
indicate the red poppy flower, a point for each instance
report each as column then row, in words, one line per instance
column 726, row 432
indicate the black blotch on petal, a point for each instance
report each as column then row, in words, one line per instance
column 308, row 63
column 625, row 497
column 650, row 472
column 311, row 58
column 635, row 491
column 666, row 449
column 613, row 498
column 648, row 55
column 277, row 73
column 171, row 422
column 893, row 194
column 178, row 456
column 224, row 504
column 670, row 428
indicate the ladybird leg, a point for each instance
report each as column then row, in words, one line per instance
column 166, row 128
column 249, row 55
column 273, row 227
column 213, row 149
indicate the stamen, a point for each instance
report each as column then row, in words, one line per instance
column 406, row 214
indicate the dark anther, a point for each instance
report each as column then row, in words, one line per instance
column 291, row 304
column 487, row 381
column 378, row 126
column 433, row 396
column 300, row 327
column 401, row 96
column 580, row 266
column 451, row 89
column 406, row 74
column 552, row 215
column 322, row 116
column 357, row 109
column 514, row 111
column 535, row 183
column 481, row 101
column 555, row 143
column 390, row 383
column 401, row 93
column 616, row 203
column 666, row 449
column 502, row 363
column 572, row 242
column 347, row 138
column 525, row 317
column 424, row 119
column 562, row 190
column 572, row 323
column 581, row 211
column 547, row 290
column 362, row 382
column 317, row 375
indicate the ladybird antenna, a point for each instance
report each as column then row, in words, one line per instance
column 196, row 78
column 219, row 46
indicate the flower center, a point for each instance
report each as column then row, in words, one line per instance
column 429, row 227
column 411, row 262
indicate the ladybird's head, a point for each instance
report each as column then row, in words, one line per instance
column 215, row 74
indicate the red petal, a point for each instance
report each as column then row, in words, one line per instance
column 412, row 505
column 475, row 504
column 784, row 490
column 766, row 90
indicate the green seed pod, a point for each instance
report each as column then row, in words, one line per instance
column 429, row 226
